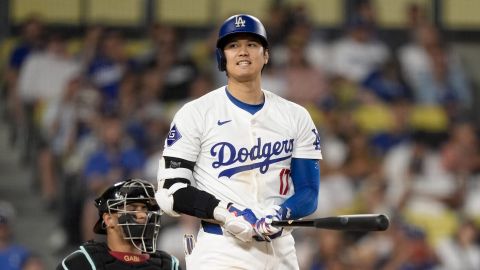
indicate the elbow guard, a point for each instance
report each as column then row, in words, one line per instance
column 175, row 193
column 178, row 174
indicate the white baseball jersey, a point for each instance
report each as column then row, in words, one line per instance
column 240, row 157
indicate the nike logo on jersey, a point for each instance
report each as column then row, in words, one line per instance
column 223, row 122
column 266, row 153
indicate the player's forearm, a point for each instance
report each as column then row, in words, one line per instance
column 301, row 204
column 305, row 174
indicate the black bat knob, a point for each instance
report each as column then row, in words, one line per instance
column 383, row 222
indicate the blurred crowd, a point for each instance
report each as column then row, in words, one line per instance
column 397, row 128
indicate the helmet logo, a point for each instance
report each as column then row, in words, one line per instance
column 119, row 195
column 239, row 21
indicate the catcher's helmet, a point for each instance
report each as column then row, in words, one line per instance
column 237, row 24
column 115, row 200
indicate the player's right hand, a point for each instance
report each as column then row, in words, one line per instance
column 259, row 233
column 239, row 223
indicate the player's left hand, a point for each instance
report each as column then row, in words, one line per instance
column 264, row 227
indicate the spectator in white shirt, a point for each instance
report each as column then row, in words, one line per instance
column 358, row 53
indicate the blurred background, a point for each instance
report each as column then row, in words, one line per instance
column 89, row 87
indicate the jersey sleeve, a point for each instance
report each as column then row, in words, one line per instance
column 308, row 139
column 184, row 138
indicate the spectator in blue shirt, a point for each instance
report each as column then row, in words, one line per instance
column 12, row 255
column 107, row 69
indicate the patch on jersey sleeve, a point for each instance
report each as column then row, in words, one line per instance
column 316, row 143
column 173, row 136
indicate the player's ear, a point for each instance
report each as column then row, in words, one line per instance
column 266, row 56
column 108, row 220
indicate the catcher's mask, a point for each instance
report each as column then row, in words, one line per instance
column 118, row 199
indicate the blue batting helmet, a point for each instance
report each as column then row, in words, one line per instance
column 237, row 24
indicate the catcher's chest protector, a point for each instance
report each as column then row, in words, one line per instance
column 104, row 261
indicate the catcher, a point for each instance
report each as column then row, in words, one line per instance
column 130, row 218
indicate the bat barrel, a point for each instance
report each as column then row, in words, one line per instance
column 367, row 222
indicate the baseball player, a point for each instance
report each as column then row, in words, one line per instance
column 130, row 218
column 240, row 157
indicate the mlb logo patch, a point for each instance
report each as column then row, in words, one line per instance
column 173, row 136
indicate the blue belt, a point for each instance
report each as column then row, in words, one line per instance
column 214, row 228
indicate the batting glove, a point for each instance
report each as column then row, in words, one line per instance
column 237, row 222
column 250, row 217
column 264, row 225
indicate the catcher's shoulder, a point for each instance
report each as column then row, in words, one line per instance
column 75, row 260
column 82, row 258
column 168, row 261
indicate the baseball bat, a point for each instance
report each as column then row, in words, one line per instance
column 363, row 222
